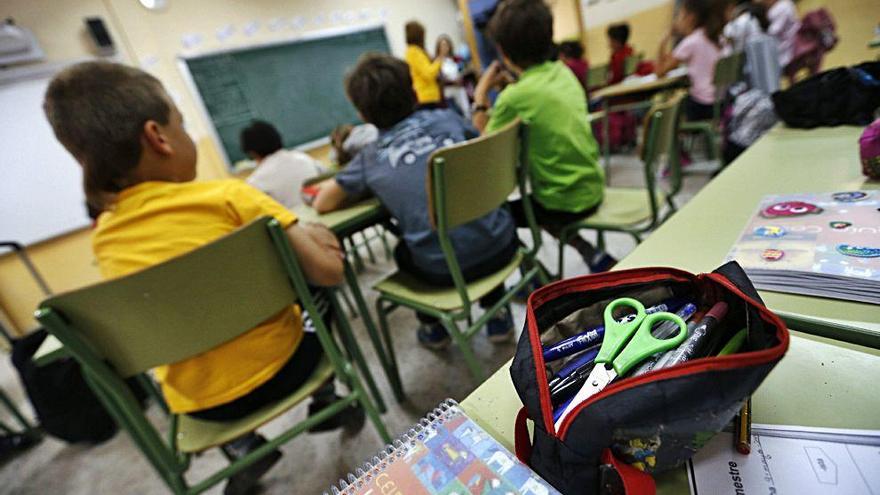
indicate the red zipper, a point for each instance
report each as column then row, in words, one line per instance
column 694, row 367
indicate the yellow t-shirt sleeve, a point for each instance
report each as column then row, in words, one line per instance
column 247, row 203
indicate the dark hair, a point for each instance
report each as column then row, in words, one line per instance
column 523, row 30
column 98, row 111
column 710, row 17
column 380, row 87
column 260, row 138
column 756, row 10
column 571, row 49
column 619, row 32
column 337, row 140
column 415, row 34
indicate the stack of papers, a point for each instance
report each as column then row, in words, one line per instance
column 789, row 459
column 825, row 245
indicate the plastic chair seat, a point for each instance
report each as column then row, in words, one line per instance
column 622, row 208
column 400, row 285
column 196, row 435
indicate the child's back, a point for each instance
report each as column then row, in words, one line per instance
column 563, row 155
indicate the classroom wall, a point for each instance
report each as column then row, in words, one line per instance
column 152, row 40
column 855, row 26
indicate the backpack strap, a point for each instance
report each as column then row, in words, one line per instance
column 522, row 442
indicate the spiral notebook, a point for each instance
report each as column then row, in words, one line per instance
column 445, row 453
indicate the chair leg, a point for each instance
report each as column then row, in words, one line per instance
column 366, row 242
column 463, row 343
column 354, row 351
column 563, row 241
column 15, row 412
column 352, row 311
column 355, row 254
column 637, row 238
column 381, row 231
column 391, row 369
column 149, row 387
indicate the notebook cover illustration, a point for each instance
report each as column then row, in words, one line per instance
column 825, row 244
column 445, row 454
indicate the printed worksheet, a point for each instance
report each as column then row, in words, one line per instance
column 790, row 460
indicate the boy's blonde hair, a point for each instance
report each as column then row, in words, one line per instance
column 97, row 111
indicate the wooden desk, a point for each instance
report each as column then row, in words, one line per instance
column 699, row 236
column 819, row 382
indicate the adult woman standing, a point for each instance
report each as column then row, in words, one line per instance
column 424, row 72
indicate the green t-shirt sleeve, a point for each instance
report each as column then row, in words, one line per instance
column 502, row 112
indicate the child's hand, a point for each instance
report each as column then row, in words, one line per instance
column 493, row 76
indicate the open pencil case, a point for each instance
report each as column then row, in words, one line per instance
column 647, row 423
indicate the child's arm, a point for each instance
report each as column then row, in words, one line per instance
column 665, row 61
column 318, row 252
column 490, row 78
column 331, row 196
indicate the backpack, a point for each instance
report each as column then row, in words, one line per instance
column 65, row 405
column 816, row 36
column 843, row 96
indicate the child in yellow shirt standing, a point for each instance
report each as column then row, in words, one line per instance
column 423, row 71
column 138, row 168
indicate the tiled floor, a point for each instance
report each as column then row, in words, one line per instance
column 311, row 462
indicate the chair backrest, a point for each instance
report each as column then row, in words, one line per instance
column 184, row 306
column 729, row 70
column 631, row 63
column 661, row 139
column 597, row 76
column 470, row 179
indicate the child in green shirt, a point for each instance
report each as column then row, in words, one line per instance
column 567, row 182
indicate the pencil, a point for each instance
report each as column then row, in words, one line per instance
column 743, row 437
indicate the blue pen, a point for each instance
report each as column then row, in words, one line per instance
column 587, row 357
column 661, row 332
column 593, row 336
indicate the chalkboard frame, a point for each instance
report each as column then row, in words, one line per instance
column 183, row 59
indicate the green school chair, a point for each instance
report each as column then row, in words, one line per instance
column 631, row 63
column 728, row 71
column 180, row 308
column 465, row 182
column 637, row 210
column 597, row 77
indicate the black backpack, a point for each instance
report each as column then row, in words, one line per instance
column 65, row 405
column 844, row 96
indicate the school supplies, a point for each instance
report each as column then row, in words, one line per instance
column 790, row 459
column 446, row 452
column 573, row 365
column 663, row 331
column 735, row 343
column 593, row 336
column 625, row 345
column 825, row 245
column 743, row 429
column 693, row 345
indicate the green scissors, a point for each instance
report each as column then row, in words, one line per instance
column 624, row 346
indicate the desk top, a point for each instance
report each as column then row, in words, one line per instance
column 782, row 162
column 344, row 221
column 819, row 382
column 631, row 88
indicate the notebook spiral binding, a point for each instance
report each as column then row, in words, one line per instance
column 392, row 451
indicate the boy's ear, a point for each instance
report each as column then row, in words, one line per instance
column 156, row 139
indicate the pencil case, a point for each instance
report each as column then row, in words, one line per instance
column 638, row 425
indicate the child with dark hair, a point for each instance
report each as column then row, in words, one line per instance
column 567, row 182
column 139, row 172
column 394, row 169
column 571, row 53
column 348, row 140
column 701, row 22
column 618, row 37
column 280, row 173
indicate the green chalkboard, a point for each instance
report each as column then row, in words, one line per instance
column 295, row 85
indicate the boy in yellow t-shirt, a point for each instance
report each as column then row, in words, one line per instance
column 138, row 169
